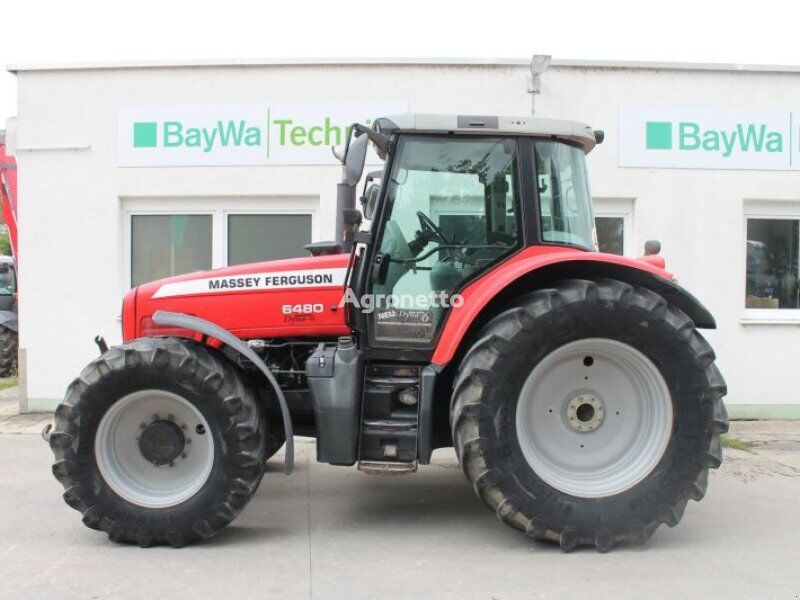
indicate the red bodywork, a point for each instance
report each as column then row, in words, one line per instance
column 252, row 309
column 479, row 293
column 260, row 311
column 8, row 195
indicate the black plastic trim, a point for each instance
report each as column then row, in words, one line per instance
column 427, row 383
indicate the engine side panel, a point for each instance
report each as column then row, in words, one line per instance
column 284, row 298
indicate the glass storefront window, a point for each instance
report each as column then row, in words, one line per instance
column 772, row 263
column 257, row 237
column 165, row 245
column 610, row 234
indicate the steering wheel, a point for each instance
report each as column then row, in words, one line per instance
column 430, row 229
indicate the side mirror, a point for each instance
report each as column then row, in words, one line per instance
column 369, row 201
column 354, row 159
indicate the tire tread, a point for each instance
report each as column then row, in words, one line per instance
column 244, row 421
column 471, row 416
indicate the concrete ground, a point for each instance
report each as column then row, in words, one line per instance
column 329, row 532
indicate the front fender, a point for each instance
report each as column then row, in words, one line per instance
column 182, row 321
column 539, row 266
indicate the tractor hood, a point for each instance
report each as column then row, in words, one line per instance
column 297, row 297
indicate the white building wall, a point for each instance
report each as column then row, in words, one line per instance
column 73, row 271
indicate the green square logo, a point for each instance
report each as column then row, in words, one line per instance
column 145, row 134
column 659, row 135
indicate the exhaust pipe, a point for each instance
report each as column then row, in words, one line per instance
column 345, row 200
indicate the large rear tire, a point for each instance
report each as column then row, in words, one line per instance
column 589, row 414
column 159, row 441
column 9, row 348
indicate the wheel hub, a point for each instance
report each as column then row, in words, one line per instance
column 585, row 412
column 594, row 417
column 171, row 464
column 161, row 442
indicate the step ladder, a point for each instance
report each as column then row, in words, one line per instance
column 390, row 419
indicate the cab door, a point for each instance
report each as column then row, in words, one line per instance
column 451, row 211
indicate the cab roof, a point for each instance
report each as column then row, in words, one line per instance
column 569, row 131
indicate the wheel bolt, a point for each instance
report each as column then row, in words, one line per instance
column 171, row 417
column 155, row 417
column 183, row 454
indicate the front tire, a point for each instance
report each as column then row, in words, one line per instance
column 589, row 414
column 159, row 441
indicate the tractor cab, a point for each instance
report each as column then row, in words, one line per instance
column 457, row 196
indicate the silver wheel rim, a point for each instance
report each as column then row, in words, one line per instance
column 123, row 465
column 594, row 418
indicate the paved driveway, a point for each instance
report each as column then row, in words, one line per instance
column 329, row 532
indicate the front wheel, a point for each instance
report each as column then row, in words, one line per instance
column 589, row 414
column 159, row 441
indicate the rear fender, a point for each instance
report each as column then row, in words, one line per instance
column 531, row 270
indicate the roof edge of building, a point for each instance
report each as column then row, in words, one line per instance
column 409, row 61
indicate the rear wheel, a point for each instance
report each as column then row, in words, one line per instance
column 8, row 352
column 159, row 441
column 589, row 414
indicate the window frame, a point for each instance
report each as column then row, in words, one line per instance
column 226, row 213
column 218, row 208
column 395, row 348
column 776, row 211
column 128, row 235
column 619, row 208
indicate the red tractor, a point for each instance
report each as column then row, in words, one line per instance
column 474, row 311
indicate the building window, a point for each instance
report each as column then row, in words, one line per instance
column 257, row 237
column 166, row 236
column 610, row 234
column 165, row 245
column 773, row 279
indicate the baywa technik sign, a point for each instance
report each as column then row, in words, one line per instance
column 241, row 134
column 709, row 138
